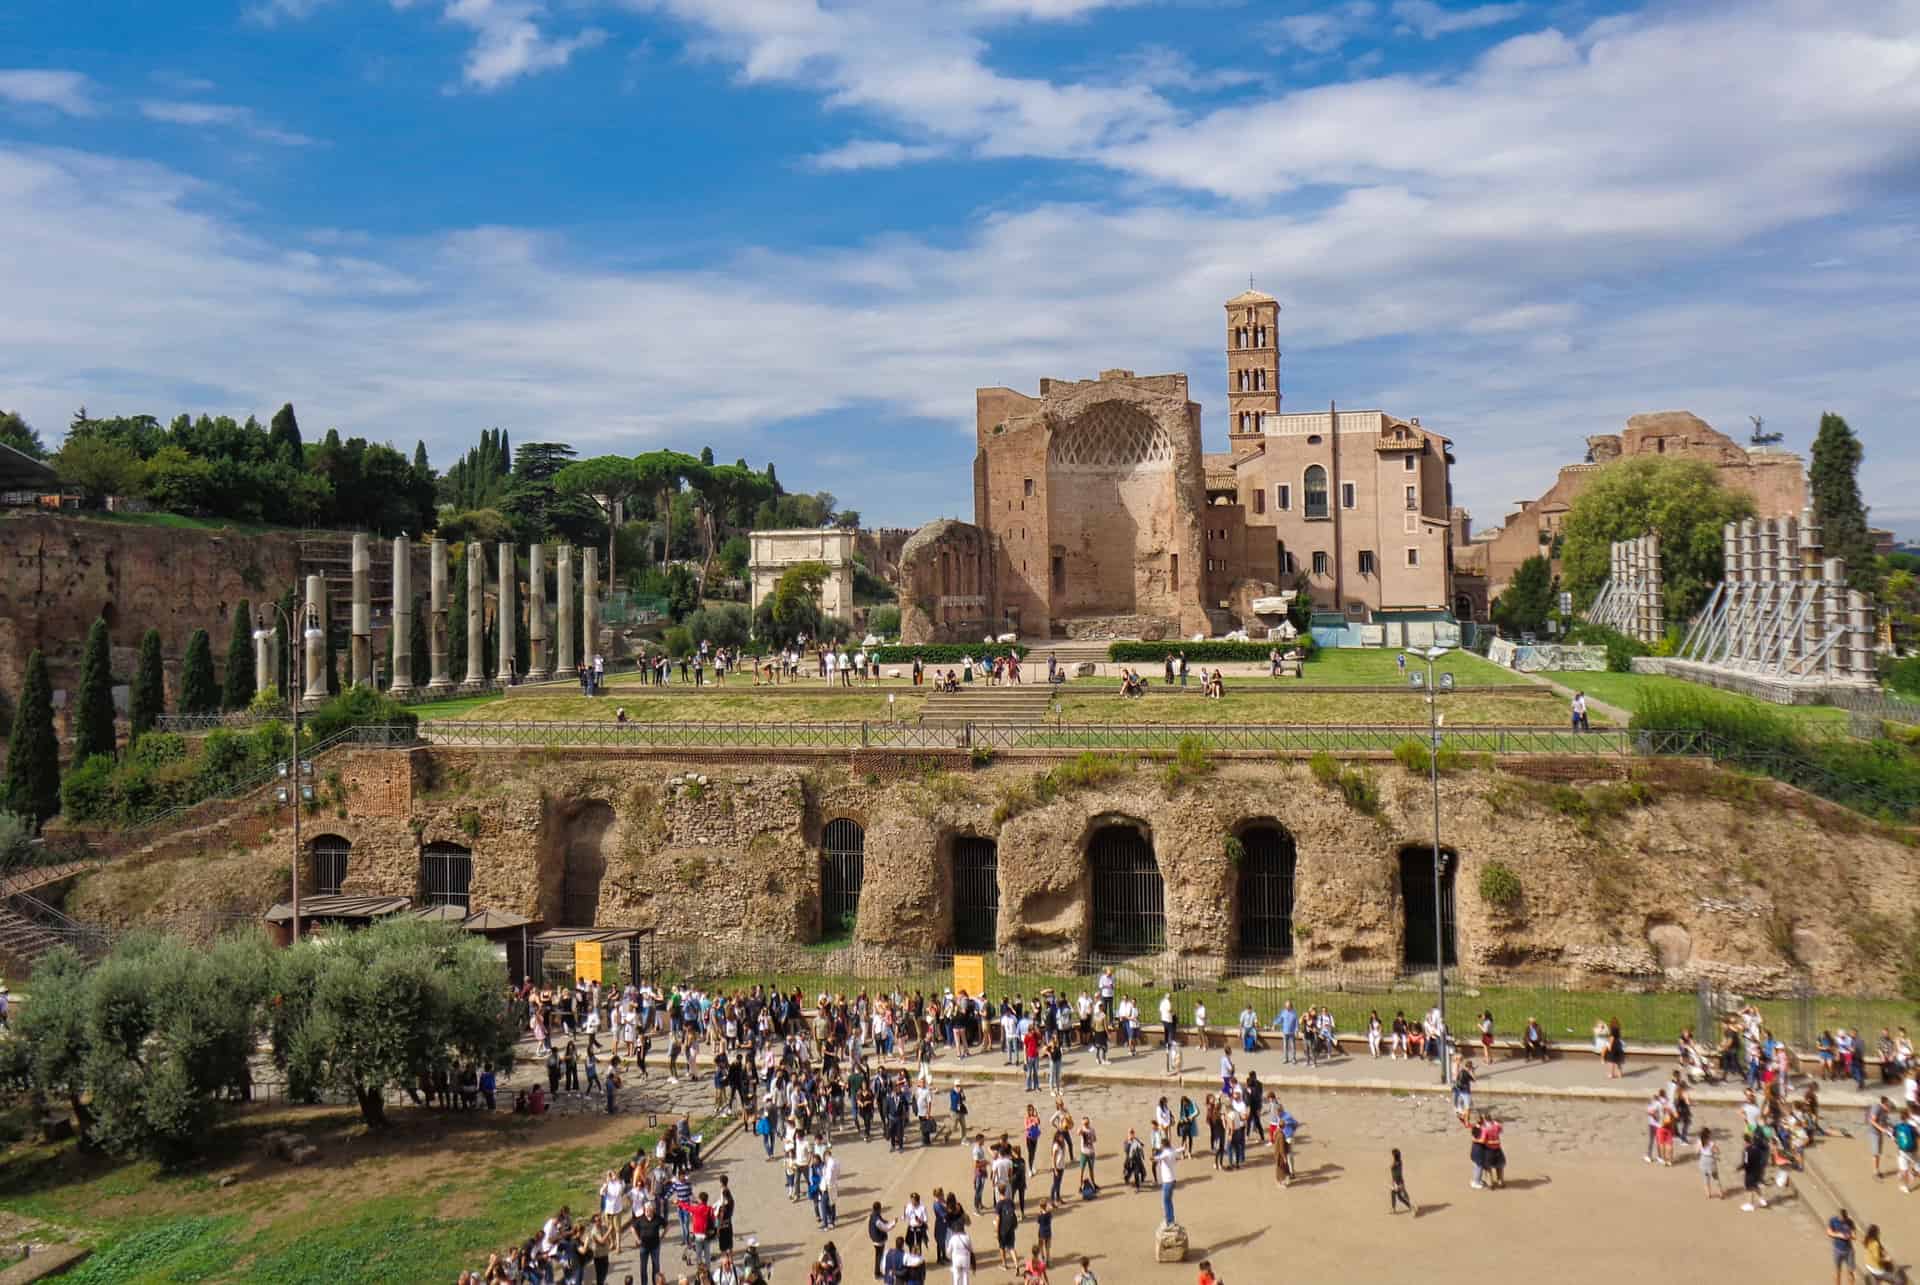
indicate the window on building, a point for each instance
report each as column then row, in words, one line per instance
column 1029, row 486
column 1366, row 562
column 1316, row 488
column 1283, row 497
column 1173, row 568
column 1059, row 575
column 1321, row 565
column 1413, row 497
column 1413, row 557
column 1410, row 462
column 1259, row 336
column 1348, row 495
column 1259, row 501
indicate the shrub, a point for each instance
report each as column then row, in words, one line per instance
column 1499, row 886
column 359, row 706
column 87, row 793
column 1190, row 763
column 1904, row 677
column 1236, row 851
column 678, row 641
column 1621, row 649
column 1358, row 789
column 1414, row 756
column 884, row 621
column 1325, row 768
column 1088, row 770
column 1155, row 653
column 944, row 653
column 981, row 755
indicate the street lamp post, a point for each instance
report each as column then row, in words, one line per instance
column 1434, row 688
column 297, row 775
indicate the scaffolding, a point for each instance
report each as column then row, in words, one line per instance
column 1633, row 599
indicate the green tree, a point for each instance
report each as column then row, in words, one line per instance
column 1834, row 479
column 608, row 481
column 457, row 612
column 20, row 435
column 241, row 682
column 33, row 751
column 148, row 700
column 199, row 694
column 100, row 466
column 1524, row 605
column 1681, row 501
column 418, row 648
column 796, row 593
column 55, row 1028
column 662, row 473
column 93, row 725
column 284, row 437
column 706, row 456
column 364, row 1012
column 420, row 464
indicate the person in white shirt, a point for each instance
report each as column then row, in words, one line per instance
column 1166, row 1019
column 1163, row 1164
column 960, row 1252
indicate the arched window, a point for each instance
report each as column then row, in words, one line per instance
column 329, row 864
column 446, row 875
column 843, row 860
column 1265, row 894
column 1129, row 895
column 1316, row 491
column 1428, row 918
column 976, row 893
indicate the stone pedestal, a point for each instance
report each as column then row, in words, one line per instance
column 537, row 613
column 1170, row 1243
column 476, row 560
column 402, row 631
column 437, row 617
column 362, row 645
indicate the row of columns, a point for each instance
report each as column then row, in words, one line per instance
column 404, row 679
column 1787, row 553
column 1636, row 574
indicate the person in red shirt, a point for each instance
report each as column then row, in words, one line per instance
column 700, row 1221
column 1206, row 1274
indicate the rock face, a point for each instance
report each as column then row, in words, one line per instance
column 1690, row 876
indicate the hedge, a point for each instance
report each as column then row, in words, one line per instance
column 1154, row 652
column 944, row 653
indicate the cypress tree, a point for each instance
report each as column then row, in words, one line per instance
column 33, row 752
column 284, row 434
column 417, row 646
column 420, row 458
column 490, row 648
column 242, row 682
column 199, row 694
column 149, row 697
column 1834, row 480
column 93, row 731
column 457, row 616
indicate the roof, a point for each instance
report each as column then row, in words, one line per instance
column 478, row 921
column 338, row 907
column 1250, row 295
column 17, row 468
column 571, row 936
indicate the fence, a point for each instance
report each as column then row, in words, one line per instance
column 1651, row 1008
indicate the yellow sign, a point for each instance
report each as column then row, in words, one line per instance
column 586, row 961
column 970, row 974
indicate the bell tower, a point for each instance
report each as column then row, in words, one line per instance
column 1253, row 365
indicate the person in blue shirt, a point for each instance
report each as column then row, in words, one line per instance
column 1287, row 1022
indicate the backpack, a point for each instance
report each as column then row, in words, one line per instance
column 1905, row 1136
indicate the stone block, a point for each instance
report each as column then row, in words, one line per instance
column 1085, row 669
column 1170, row 1244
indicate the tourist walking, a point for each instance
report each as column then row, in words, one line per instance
column 1397, row 1189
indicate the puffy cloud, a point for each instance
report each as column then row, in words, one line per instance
column 1431, row 20
column 509, row 41
column 64, row 91
column 219, row 115
column 871, row 154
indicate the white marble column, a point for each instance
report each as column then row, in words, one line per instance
column 476, row 559
column 362, row 644
column 402, row 617
column 563, row 574
column 437, row 617
column 315, row 615
column 537, row 613
column 504, row 613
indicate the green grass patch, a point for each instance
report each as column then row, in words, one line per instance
column 1361, row 665
column 1631, row 691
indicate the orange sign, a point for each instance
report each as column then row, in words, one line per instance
column 586, row 961
column 970, row 974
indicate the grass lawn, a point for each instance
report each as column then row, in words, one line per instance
column 433, row 1195
column 179, row 522
column 1628, row 690
column 672, row 707
column 1353, row 665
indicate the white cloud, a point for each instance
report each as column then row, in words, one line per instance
column 1159, row 67
column 871, row 154
column 1319, row 33
column 509, row 42
column 219, row 115
column 64, row 91
column 1432, row 20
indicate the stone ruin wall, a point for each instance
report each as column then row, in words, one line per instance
column 1720, row 879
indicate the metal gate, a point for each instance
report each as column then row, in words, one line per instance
column 1129, row 896
column 976, row 893
column 580, row 875
column 1422, row 914
column 446, row 875
column 843, row 863
column 1266, row 891
column 329, row 864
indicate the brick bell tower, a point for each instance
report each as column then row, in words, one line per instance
column 1253, row 365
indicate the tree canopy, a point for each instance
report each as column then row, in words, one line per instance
column 1834, row 479
column 93, row 730
column 1681, row 501
column 199, row 694
column 148, row 700
column 33, row 751
column 1524, row 605
column 20, row 435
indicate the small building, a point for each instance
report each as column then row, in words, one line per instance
column 773, row 552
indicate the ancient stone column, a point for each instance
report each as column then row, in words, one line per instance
column 402, row 617
column 1656, row 590
column 476, row 558
column 437, row 617
column 504, row 613
column 589, row 604
column 1860, row 665
column 1833, row 613
column 315, row 617
column 563, row 571
column 362, row 645
column 537, row 613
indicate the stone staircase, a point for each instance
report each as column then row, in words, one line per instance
column 23, row 941
column 976, row 702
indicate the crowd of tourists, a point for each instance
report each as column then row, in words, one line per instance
column 810, row 1075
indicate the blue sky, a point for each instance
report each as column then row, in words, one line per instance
column 806, row 230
